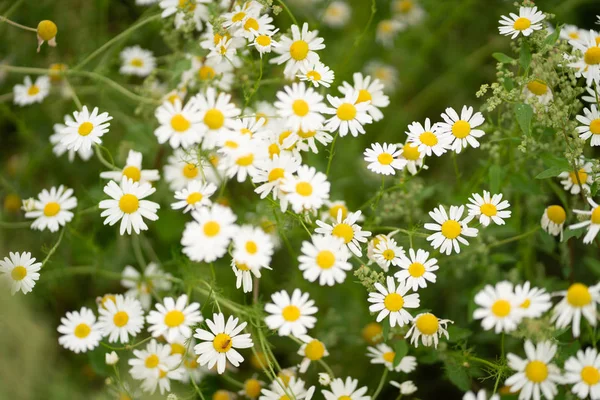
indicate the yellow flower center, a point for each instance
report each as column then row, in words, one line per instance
column 132, row 173
column 501, row 308
column 251, row 23
column 151, row 361
column 129, row 203
column 179, row 123
column 193, row 198
column 221, row 395
column 314, row 350
column 385, row 158
column 33, row 90
column 488, row 209
column 451, row 229
column 299, row 50
column 343, row 231
column 536, row 371
column 245, row 161
column 525, row 304
column 306, row 135
column 333, row 211
column 521, row 24
column 389, row 356
column 304, row 189
column 364, row 95
column 574, row 35
column 404, row 6
column 411, row 152
column 214, row 119
column 242, row 267
column 389, row 254
column 344, row 397
column 274, row 150
column 177, row 348
column 137, row 62
column 393, row 302
column 428, row 139
column 212, row 228
column 537, row 87
column 313, row 75
column 47, row 29
column 325, row 259
column 290, row 313
column 592, row 56
column 263, row 40
column 416, row 269
column 581, row 174
column 12, row 203
column 386, row 26
column 82, row 331
column 238, row 17
column 346, row 112
column 275, row 174
column 596, row 215
column 51, row 209
column 590, row 375
column 578, row 295
column 595, row 126
column 300, row 107
column 556, row 214
column 252, row 388
column 174, row 318
column 190, row 171
column 106, row 298
column 18, row 273
column 85, row 128
column 427, row 324
column 251, row 247
column 120, row 319
column 222, row 343
column 372, row 332
column 461, row 129
column 187, row 5
column 206, row 73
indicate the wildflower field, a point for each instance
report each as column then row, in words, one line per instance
column 299, row 199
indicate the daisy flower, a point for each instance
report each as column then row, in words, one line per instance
column 411, row 158
column 384, row 354
column 217, row 113
column 182, row 8
column 449, row 230
column 206, row 238
column 252, row 388
column 462, row 129
column 583, row 372
column 537, row 90
column 280, row 389
column 239, row 14
column 591, row 125
column 86, row 129
column 127, row 204
column 428, row 139
column 252, row 247
column 408, row 11
column 298, row 51
column 244, row 275
column 255, row 26
column 535, row 373
column 587, row 66
column 301, row 107
column 386, row 253
column 264, row 42
column 347, row 390
column 141, row 286
column 387, row 30
column 195, row 196
column 481, row 395
column 120, row 318
column 52, row 209
column 174, row 318
column 209, row 72
column 29, row 92
column 383, row 159
column 337, row 14
column 553, row 220
column 60, row 147
column 291, row 314
column 311, row 350
column 307, row 190
column 528, row 21
column 429, row 328
column 46, row 32
column 393, row 301
column 20, row 271
column 575, row 183
column 224, row 51
column 408, row 387
column 387, row 74
column 79, row 331
column 333, row 207
column 326, row 258
column 593, row 222
column 137, row 61
column 416, row 270
column 241, row 161
column 317, row 74
column 271, row 172
column 219, row 345
column 348, row 114
column 578, row 300
column 133, row 170
column 499, row 307
column 489, row 208
column 534, row 301
column 156, row 365
column 180, row 125
column 184, row 167
column 346, row 229
column 570, row 32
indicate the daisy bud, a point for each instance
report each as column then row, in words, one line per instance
column 111, row 358
column 28, row 204
column 172, row 396
column 324, row 379
column 46, row 32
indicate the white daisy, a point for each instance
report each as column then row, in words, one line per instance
column 182, row 8
column 348, row 114
column 20, row 271
column 408, row 387
column 387, row 30
column 254, row 26
column 127, row 204
column 86, row 129
column 449, row 229
column 120, row 318
column 591, row 125
column 574, row 183
column 481, row 395
column 174, row 318
column 326, row 258
column 241, row 161
column 416, row 270
column 298, row 51
column 429, row 328
column 411, row 158
column 317, row 74
column 583, row 372
column 29, row 92
column 347, row 390
column 337, row 14
column 489, row 208
column 537, row 91
column 499, row 307
column 570, row 32
column 593, row 222
column 217, row 113
column 408, row 11
column 291, row 315
column 60, row 147
column 180, row 125
column 307, row 190
column 264, row 42
column 301, row 107
column 156, row 365
column 271, row 172
column 141, row 286
column 579, row 300
column 52, row 209
column 184, row 167
column 209, row 72
column 244, row 275
column 533, row 301
column 428, row 138
column 284, row 388
column 194, row 196
column 133, row 170
column 393, row 301
column 79, row 331
column 384, row 354
column 346, row 229
column 462, row 129
column 387, row 252
column 553, row 219
column 311, row 350
column 206, row 238
column 387, row 74
column 224, row 51
column 383, row 159
column 239, row 14
column 528, row 21
column 588, row 65
column 137, row 61
column 252, row 247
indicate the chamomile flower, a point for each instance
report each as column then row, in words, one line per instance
column 408, row 11
column 326, row 258
column 534, row 373
column 244, row 275
column 528, row 21
column 252, row 247
column 417, row 270
column 137, row 61
column 184, row 167
column 449, row 229
column 181, row 8
column 489, row 208
column 349, row 114
column 408, row 387
column 180, row 125
column 307, row 190
column 533, row 301
column 499, row 307
column 583, row 372
column 393, row 301
column 299, row 50
column 217, row 113
column 60, row 147
column 384, row 354
column 593, row 222
column 79, row 331
column 46, row 32
column 240, row 13
column 264, row 43
column 588, row 65
column 255, row 26
column 537, row 90
column 318, row 74
column 312, row 350
column 386, row 253
column 121, row 318
column 383, row 159
column 462, row 128
column 141, row 286
column 30, row 92
column 219, row 345
column 252, row 388
column 133, row 170
column 570, row 32
column 174, row 318
column 52, row 209
column 429, row 328
column 575, row 183
column 301, row 107
column 346, row 390
column 241, row 161
column 156, row 365
column 20, row 271
column 337, row 14
column 578, row 300
column 591, row 125
column 387, row 74
column 224, row 51
column 291, row 315
column 346, row 229
column 307, row 140
column 271, row 173
column 207, row 237
column 333, row 207
column 127, row 204
column 194, row 196
column 411, row 158
column 387, row 30
column 481, row 395
column 209, row 72
column 86, row 129
column 282, row 387
column 553, row 220
column 428, row 139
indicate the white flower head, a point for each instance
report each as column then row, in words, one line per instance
column 428, row 138
column 528, row 21
column 462, row 128
column 417, row 269
column 79, row 331
column 137, row 61
column 85, row 129
column 383, row 159
column 291, row 314
column 307, row 190
column 583, row 372
column 450, row 229
column 347, row 229
column 324, row 258
column 489, row 208
column 52, row 209
column 298, row 51
column 499, row 307
column 429, row 328
column 121, row 318
column 349, row 115
column 174, row 318
column 384, row 354
column 346, row 390
column 133, row 170
column 20, row 271
column 553, row 220
column 593, row 223
column 391, row 300
column 31, row 92
column 578, row 300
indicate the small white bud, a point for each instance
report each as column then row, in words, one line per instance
column 324, row 379
column 111, row 358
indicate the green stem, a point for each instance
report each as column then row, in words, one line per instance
column 331, row 153
column 107, row 164
column 53, row 249
column 137, row 249
column 13, row 23
column 381, row 383
column 287, row 10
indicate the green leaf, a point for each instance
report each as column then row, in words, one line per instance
column 568, row 234
column 550, row 160
column 503, row 58
column 386, row 331
column 401, row 350
column 524, row 114
column 456, row 333
column 550, row 173
column 458, row 376
column 525, row 56
column 594, row 188
column 593, row 264
column 553, row 37
column 496, row 174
